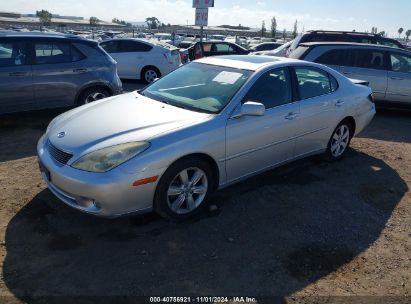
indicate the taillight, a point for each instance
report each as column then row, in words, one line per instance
column 371, row 98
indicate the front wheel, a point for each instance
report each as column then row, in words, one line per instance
column 339, row 141
column 183, row 190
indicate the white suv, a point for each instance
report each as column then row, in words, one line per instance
column 142, row 59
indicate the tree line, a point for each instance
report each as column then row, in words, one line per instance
column 154, row 23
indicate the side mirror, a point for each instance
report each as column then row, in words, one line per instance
column 251, row 108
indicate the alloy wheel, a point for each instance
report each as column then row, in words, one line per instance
column 150, row 75
column 340, row 140
column 94, row 97
column 187, row 190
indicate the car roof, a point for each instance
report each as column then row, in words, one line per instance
column 37, row 34
column 149, row 42
column 359, row 45
column 245, row 62
column 48, row 35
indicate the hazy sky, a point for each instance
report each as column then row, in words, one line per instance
column 311, row 14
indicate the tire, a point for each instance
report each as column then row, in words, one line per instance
column 93, row 94
column 340, row 141
column 148, row 74
column 176, row 195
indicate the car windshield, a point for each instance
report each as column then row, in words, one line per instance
column 198, row 87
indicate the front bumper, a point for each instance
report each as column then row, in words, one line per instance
column 109, row 194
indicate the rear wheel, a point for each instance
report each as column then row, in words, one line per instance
column 93, row 94
column 340, row 140
column 184, row 188
column 149, row 74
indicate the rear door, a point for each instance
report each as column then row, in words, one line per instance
column 130, row 56
column 16, row 83
column 399, row 78
column 320, row 108
column 58, row 71
column 254, row 143
column 370, row 65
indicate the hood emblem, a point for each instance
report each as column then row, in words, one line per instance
column 61, row 134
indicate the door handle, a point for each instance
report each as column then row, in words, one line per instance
column 79, row 70
column 339, row 103
column 17, row 74
column 291, row 116
column 397, row 78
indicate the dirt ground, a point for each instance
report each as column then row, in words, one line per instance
column 308, row 229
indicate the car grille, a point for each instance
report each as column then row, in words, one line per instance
column 59, row 155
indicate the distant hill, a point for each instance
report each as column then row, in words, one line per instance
column 138, row 23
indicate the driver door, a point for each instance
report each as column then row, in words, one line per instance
column 255, row 143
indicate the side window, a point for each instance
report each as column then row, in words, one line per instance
column 133, row 46
column 400, row 63
column 313, row 82
column 12, row 54
column 222, row 47
column 53, row 52
column 333, row 57
column 333, row 83
column 271, row 89
column 370, row 59
column 110, row 46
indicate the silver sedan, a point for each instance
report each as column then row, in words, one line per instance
column 207, row 125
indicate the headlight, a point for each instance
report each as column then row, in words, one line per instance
column 108, row 158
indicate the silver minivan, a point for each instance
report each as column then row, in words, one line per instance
column 41, row 70
column 387, row 69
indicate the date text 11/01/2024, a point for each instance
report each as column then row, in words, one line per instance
column 202, row 300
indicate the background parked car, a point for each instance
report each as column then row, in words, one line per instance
column 281, row 51
column 387, row 69
column 265, row 46
column 338, row 36
column 215, row 48
column 142, row 59
column 39, row 71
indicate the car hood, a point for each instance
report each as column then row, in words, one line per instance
column 124, row 118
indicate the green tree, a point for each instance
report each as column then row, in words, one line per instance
column 263, row 29
column 44, row 16
column 408, row 34
column 295, row 29
column 400, row 30
column 94, row 21
column 273, row 27
column 152, row 22
column 284, row 34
